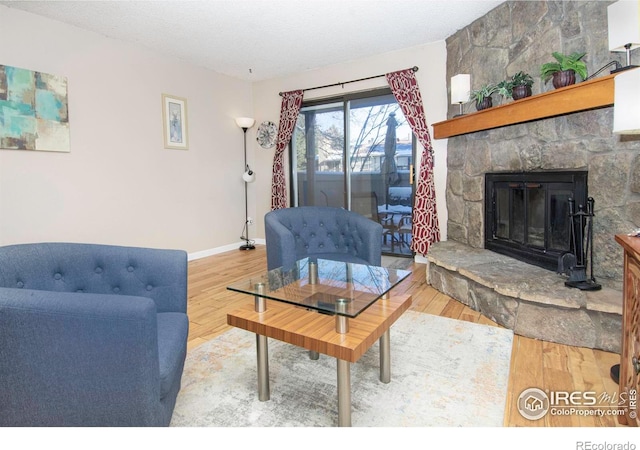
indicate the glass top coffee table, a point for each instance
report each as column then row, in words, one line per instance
column 330, row 307
column 323, row 285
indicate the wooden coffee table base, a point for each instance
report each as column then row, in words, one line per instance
column 317, row 333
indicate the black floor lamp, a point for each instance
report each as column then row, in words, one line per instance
column 248, row 176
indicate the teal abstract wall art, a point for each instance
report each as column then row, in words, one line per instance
column 34, row 111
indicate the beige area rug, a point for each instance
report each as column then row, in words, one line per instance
column 444, row 372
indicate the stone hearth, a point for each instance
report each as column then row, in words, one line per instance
column 529, row 300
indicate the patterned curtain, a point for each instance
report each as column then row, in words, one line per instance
column 425, row 228
column 291, row 102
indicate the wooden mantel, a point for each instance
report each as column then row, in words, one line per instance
column 596, row 93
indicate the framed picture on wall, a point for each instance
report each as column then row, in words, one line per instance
column 34, row 110
column 174, row 120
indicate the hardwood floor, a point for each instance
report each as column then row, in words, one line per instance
column 544, row 365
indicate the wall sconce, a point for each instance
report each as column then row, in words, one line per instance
column 623, row 18
column 626, row 106
column 460, row 90
column 248, row 176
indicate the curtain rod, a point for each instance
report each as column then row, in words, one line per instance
column 414, row 68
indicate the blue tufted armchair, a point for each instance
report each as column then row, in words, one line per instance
column 322, row 231
column 91, row 335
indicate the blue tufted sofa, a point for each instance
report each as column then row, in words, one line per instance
column 91, row 335
column 321, row 231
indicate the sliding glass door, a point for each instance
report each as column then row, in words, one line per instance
column 357, row 152
column 318, row 156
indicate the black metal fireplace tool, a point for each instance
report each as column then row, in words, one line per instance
column 575, row 263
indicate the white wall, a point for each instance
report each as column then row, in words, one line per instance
column 431, row 60
column 118, row 185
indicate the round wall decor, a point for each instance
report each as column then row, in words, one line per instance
column 267, row 134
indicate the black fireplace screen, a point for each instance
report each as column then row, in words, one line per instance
column 527, row 216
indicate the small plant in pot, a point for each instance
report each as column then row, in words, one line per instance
column 564, row 69
column 521, row 84
column 504, row 89
column 482, row 96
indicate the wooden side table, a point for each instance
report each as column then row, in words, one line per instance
column 629, row 382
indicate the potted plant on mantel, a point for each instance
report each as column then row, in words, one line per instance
column 504, row 89
column 482, row 96
column 564, row 69
column 521, row 84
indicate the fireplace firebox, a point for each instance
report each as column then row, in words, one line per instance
column 527, row 214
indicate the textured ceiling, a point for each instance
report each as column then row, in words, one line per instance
column 261, row 39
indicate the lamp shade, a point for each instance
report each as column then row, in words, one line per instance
column 249, row 176
column 623, row 19
column 460, row 88
column 626, row 106
column 245, row 122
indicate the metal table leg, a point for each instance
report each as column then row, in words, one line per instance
column 264, row 391
column 313, row 279
column 344, row 369
column 344, row 393
column 342, row 322
column 385, row 352
column 385, row 357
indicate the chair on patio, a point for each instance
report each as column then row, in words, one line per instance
column 405, row 228
column 366, row 204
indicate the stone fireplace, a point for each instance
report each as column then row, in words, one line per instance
column 521, row 148
column 531, row 300
column 527, row 295
column 496, row 46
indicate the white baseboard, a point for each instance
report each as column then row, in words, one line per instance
column 224, row 248
column 228, row 248
column 420, row 259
